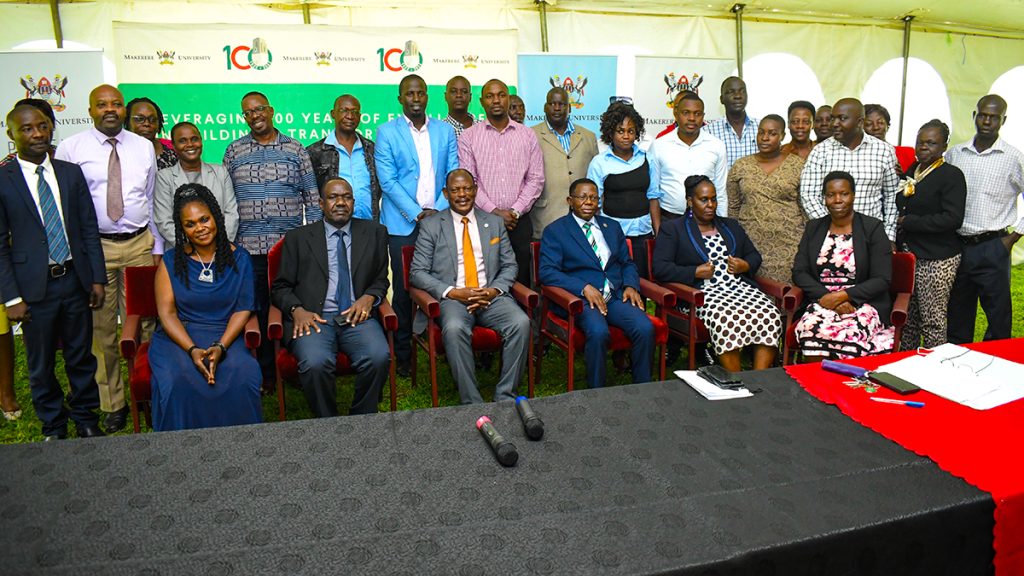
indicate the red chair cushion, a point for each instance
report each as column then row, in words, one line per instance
column 483, row 339
column 289, row 366
column 617, row 340
column 138, row 380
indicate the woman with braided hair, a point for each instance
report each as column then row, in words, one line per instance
column 202, row 374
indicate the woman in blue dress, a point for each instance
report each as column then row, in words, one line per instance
column 203, row 376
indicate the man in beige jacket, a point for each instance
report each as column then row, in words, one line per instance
column 568, row 150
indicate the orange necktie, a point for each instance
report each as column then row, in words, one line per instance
column 468, row 257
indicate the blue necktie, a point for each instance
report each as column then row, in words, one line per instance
column 342, row 295
column 55, row 239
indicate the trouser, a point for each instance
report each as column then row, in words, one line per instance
column 933, row 281
column 400, row 300
column 984, row 275
column 62, row 315
column 640, row 256
column 316, row 352
column 520, row 238
column 118, row 254
column 638, row 328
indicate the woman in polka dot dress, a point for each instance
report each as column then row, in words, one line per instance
column 716, row 255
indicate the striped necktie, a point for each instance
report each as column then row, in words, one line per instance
column 55, row 239
column 593, row 244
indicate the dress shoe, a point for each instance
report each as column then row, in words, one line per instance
column 12, row 415
column 57, row 436
column 403, row 369
column 90, row 431
column 115, row 421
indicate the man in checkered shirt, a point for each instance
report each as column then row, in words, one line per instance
column 871, row 161
column 995, row 178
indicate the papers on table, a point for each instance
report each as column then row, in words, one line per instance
column 709, row 390
column 974, row 379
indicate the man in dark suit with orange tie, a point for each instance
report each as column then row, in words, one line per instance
column 51, row 272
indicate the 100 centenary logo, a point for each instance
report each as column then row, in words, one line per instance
column 410, row 59
column 258, row 56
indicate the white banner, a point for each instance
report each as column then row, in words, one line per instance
column 63, row 78
column 294, row 54
column 659, row 79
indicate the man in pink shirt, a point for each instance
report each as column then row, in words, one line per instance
column 505, row 158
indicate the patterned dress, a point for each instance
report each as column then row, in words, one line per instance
column 823, row 332
column 167, row 157
column 767, row 207
column 735, row 313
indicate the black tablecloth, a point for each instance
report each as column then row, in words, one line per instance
column 645, row 479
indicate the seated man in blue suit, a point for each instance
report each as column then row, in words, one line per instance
column 464, row 259
column 586, row 254
column 52, row 272
column 413, row 156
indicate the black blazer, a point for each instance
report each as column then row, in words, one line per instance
column 933, row 214
column 302, row 274
column 680, row 249
column 24, row 258
column 872, row 251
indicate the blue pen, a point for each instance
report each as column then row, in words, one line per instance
column 909, row 403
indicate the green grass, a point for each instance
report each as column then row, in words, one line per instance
column 553, row 381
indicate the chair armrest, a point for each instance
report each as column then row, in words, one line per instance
column 527, row 298
column 772, row 288
column 662, row 296
column 388, row 318
column 425, row 302
column 252, row 332
column 793, row 299
column 685, row 293
column 275, row 325
column 899, row 309
column 562, row 298
column 130, row 336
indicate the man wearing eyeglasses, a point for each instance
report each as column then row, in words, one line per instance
column 586, row 254
column 120, row 169
column 275, row 189
column 347, row 154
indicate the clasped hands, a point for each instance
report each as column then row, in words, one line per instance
column 734, row 265
column 206, row 361
column 510, row 218
column 474, row 298
column 838, row 302
column 306, row 322
column 595, row 298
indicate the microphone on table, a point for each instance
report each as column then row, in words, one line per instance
column 504, row 450
column 532, row 423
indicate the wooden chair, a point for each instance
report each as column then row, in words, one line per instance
column 140, row 305
column 483, row 339
column 901, row 286
column 684, row 324
column 564, row 333
column 287, row 366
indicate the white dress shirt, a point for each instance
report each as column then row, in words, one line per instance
column 425, row 192
column 478, row 252
column 603, row 251
column 674, row 161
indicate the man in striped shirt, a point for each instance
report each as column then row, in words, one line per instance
column 995, row 179
column 506, row 160
column 457, row 94
column 276, row 191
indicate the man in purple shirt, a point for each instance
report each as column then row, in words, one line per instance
column 506, row 160
column 120, row 169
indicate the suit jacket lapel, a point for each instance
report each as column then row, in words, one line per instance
column 358, row 251
column 318, row 246
column 406, row 136
column 576, row 231
column 18, row 180
column 65, row 197
column 489, row 251
column 860, row 248
column 448, row 239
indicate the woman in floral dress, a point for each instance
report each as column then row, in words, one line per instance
column 844, row 265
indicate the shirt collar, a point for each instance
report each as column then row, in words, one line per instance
column 997, row 146
column 702, row 137
column 31, row 166
column 581, row 221
column 278, row 138
column 409, row 123
column 637, row 151
column 102, row 138
column 330, row 228
column 512, row 125
column 457, row 218
column 569, row 127
column 332, row 139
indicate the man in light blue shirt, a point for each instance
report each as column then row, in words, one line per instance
column 737, row 130
column 345, row 153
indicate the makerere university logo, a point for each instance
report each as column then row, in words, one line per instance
column 258, row 57
column 166, row 57
column 322, row 58
column 410, row 59
column 43, row 89
column 470, row 60
column 574, row 88
column 677, row 85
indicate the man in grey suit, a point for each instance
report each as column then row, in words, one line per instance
column 474, row 289
column 188, row 144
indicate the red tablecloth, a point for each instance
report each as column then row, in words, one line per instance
column 985, row 448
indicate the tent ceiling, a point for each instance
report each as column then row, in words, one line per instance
column 993, row 16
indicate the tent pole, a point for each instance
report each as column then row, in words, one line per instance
column 906, row 61
column 543, row 24
column 737, row 9
column 58, row 34
column 305, row 13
